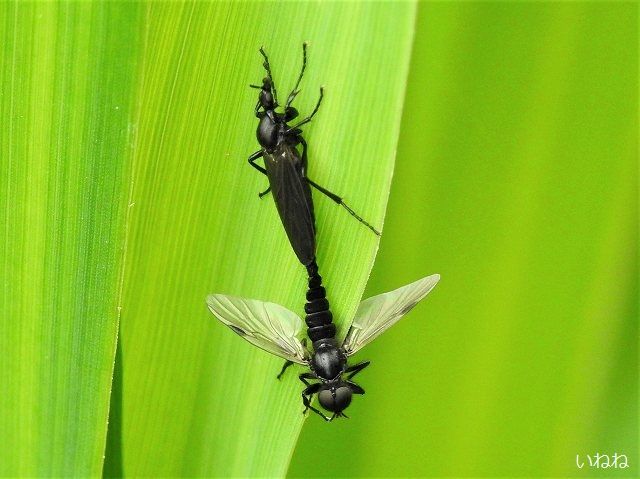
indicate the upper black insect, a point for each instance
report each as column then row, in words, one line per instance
column 285, row 167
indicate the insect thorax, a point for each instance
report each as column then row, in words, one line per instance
column 328, row 360
column 268, row 132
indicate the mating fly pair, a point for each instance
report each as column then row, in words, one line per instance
column 285, row 167
column 276, row 329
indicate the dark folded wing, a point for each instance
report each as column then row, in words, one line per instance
column 293, row 200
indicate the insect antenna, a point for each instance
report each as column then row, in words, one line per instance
column 295, row 90
column 268, row 68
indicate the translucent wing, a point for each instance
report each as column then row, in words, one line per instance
column 376, row 315
column 267, row 325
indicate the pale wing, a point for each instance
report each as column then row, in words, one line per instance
column 267, row 325
column 377, row 314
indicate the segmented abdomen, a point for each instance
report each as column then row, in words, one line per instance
column 319, row 317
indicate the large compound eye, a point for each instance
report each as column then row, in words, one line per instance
column 335, row 401
column 326, row 399
column 343, row 398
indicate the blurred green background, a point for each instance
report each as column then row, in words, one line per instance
column 516, row 180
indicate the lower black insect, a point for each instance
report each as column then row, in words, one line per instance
column 286, row 167
column 278, row 331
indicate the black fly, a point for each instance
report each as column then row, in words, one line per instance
column 285, row 167
column 278, row 331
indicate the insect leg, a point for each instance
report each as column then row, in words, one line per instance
column 308, row 119
column 339, row 201
column 355, row 389
column 356, row 368
column 309, row 406
column 304, row 155
column 264, row 192
column 284, row 368
column 257, row 109
column 306, row 400
column 252, row 161
column 304, row 376
column 295, row 90
column 294, row 138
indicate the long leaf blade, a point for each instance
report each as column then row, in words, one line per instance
column 197, row 400
column 66, row 74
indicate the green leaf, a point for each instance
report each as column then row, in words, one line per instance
column 126, row 128
column 67, row 75
column 196, row 399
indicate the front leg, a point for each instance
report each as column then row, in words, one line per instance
column 306, row 399
column 310, row 117
column 304, row 376
column 252, row 161
column 355, row 389
column 356, row 368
